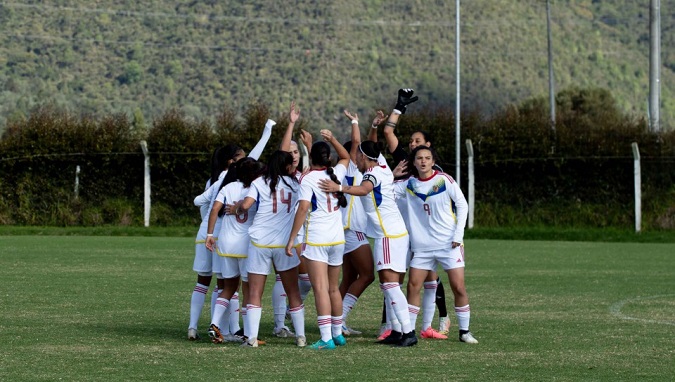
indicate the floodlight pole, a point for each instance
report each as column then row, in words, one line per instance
column 551, row 82
column 146, row 184
column 457, row 101
column 654, row 65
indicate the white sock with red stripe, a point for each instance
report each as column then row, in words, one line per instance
column 298, row 319
column 348, row 304
column 428, row 303
column 234, row 313
column 218, row 312
column 399, row 305
column 463, row 316
column 336, row 326
column 254, row 313
column 413, row 311
column 279, row 304
column 196, row 304
column 304, row 284
column 325, row 327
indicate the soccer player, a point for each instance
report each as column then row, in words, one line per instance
column 232, row 248
column 357, row 264
column 276, row 195
column 433, row 287
column 437, row 211
column 279, row 305
column 203, row 262
column 323, row 247
column 386, row 226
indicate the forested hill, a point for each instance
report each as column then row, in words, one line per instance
column 150, row 56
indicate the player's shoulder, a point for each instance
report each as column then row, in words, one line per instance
column 445, row 176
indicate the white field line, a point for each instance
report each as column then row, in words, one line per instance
column 615, row 309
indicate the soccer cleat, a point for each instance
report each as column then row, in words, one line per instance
column 408, row 339
column 391, row 339
column 347, row 331
column 193, row 335
column 432, row 334
column 323, row 345
column 301, row 341
column 250, row 344
column 216, row 336
column 384, row 334
column 383, row 329
column 444, row 325
column 232, row 338
column 468, row 338
column 284, row 332
column 340, row 340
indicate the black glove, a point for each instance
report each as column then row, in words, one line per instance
column 405, row 98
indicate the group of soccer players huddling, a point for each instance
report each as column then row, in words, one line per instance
column 311, row 225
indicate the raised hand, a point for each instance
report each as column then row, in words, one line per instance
column 351, row 116
column 379, row 118
column 306, row 139
column 294, row 114
column 327, row 135
column 405, row 98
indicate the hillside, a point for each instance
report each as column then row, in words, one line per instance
column 148, row 57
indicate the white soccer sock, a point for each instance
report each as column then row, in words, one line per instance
column 428, row 303
column 234, row 313
column 254, row 313
column 196, row 304
column 392, row 321
column 304, row 284
column 214, row 297
column 399, row 305
column 325, row 327
column 298, row 319
column 244, row 318
column 463, row 316
column 219, row 312
column 336, row 326
column 279, row 303
column 348, row 304
column 413, row 311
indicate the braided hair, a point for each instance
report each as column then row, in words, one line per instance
column 321, row 157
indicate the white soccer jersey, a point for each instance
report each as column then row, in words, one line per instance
column 207, row 198
column 384, row 218
column 437, row 211
column 353, row 217
column 324, row 220
column 204, row 199
column 233, row 239
column 274, row 220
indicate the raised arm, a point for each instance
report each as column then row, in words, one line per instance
column 377, row 121
column 293, row 116
column 260, row 146
column 405, row 97
column 356, row 134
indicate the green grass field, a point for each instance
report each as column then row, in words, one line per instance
column 80, row 308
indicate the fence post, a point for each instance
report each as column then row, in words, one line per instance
column 469, row 150
column 146, row 184
column 638, row 187
column 77, row 181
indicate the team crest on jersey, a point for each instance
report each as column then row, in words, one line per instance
column 438, row 188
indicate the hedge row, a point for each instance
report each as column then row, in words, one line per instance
column 577, row 173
